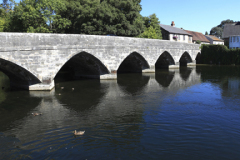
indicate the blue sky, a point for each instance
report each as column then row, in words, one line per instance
column 194, row 15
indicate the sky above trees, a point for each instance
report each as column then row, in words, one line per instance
column 192, row 15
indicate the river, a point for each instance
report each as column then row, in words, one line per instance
column 189, row 113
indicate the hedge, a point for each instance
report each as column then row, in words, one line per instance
column 219, row 54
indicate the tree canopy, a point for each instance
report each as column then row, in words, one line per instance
column 99, row 17
column 152, row 26
column 217, row 31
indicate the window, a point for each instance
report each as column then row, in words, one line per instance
column 237, row 39
column 234, row 39
column 184, row 37
column 230, row 39
column 179, row 37
column 189, row 38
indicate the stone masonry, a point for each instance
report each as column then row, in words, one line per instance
column 32, row 60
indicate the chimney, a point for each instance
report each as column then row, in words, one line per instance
column 173, row 24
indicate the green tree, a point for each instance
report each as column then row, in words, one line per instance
column 5, row 11
column 198, row 42
column 206, row 33
column 152, row 21
column 150, row 32
column 101, row 17
column 38, row 16
column 217, row 31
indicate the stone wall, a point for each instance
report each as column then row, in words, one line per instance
column 43, row 55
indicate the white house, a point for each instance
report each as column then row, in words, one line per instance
column 173, row 33
column 231, row 33
column 214, row 40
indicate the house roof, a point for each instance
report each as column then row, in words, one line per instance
column 231, row 29
column 174, row 30
column 214, row 38
column 198, row 36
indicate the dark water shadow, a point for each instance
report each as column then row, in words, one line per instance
column 80, row 95
column 16, row 106
column 132, row 84
column 164, row 77
column 185, row 72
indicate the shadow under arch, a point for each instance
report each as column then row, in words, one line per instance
column 164, row 77
column 19, row 77
column 198, row 58
column 185, row 72
column 82, row 65
column 132, row 84
column 185, row 59
column 133, row 63
column 164, row 61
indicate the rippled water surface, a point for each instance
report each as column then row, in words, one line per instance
column 190, row 113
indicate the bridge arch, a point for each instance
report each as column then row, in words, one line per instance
column 133, row 63
column 84, row 64
column 185, row 59
column 198, row 58
column 164, row 60
column 19, row 77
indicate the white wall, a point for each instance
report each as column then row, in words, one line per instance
column 218, row 42
column 234, row 42
column 180, row 38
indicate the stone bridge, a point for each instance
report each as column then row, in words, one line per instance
column 32, row 60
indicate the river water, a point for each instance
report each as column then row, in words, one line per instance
column 191, row 113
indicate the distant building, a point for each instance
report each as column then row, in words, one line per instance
column 214, row 40
column 231, row 34
column 198, row 36
column 173, row 33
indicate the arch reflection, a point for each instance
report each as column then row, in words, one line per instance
column 185, row 72
column 81, row 95
column 132, row 84
column 164, row 77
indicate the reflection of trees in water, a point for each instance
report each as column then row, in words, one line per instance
column 86, row 93
column 17, row 105
column 185, row 73
column 164, row 77
column 215, row 73
column 132, row 83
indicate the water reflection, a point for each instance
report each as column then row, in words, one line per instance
column 185, row 72
column 132, row 84
column 139, row 115
column 164, row 77
column 80, row 95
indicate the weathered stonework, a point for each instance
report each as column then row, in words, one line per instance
column 41, row 56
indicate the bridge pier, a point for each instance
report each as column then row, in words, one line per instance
column 193, row 63
column 111, row 76
column 175, row 66
column 149, row 70
column 42, row 87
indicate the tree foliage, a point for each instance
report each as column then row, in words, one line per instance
column 98, row 17
column 37, row 16
column 152, row 27
column 217, row 31
column 118, row 17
